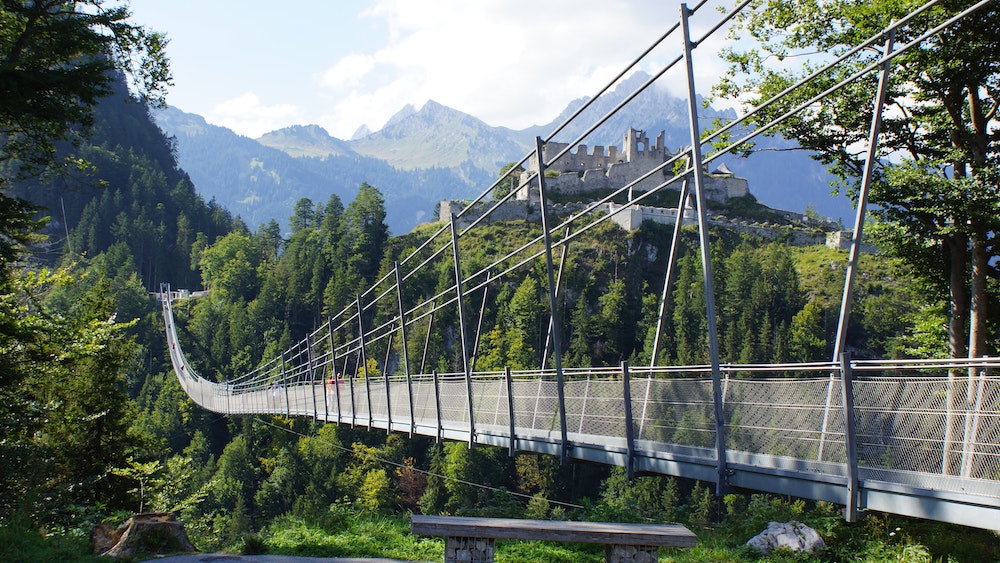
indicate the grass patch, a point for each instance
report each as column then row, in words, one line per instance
column 357, row 534
column 348, row 532
column 19, row 544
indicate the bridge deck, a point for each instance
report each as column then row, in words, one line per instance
column 773, row 436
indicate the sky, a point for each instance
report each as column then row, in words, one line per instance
column 256, row 66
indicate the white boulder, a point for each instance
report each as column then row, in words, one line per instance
column 794, row 536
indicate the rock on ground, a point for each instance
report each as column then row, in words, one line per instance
column 794, row 536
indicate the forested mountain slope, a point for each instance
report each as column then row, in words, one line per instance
column 261, row 183
column 134, row 194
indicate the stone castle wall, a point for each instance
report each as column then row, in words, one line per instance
column 631, row 217
column 586, row 170
column 600, row 168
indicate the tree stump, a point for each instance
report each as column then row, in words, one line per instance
column 143, row 533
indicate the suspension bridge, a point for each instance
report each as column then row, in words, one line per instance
column 914, row 437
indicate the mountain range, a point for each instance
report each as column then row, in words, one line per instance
column 424, row 155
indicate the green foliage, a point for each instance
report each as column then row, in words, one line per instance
column 702, row 505
column 230, row 266
column 935, row 203
column 67, row 412
column 58, row 60
column 433, row 499
column 509, row 174
column 141, row 473
column 365, row 231
column 252, row 544
column 516, row 338
column 278, row 490
column 22, row 543
column 20, row 228
column 805, row 334
column 538, row 508
column 638, row 500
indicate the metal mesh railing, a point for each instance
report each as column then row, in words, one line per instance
column 784, row 417
column 938, row 433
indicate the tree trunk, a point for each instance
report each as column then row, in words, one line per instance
column 977, row 346
column 957, row 259
column 979, row 298
column 152, row 533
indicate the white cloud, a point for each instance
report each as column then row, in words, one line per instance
column 514, row 62
column 246, row 115
column 349, row 72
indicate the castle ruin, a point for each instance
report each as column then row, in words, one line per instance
column 605, row 168
column 612, row 168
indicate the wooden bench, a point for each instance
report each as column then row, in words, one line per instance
column 470, row 540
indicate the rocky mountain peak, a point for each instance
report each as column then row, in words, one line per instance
column 305, row 140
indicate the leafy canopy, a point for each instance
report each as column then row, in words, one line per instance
column 57, row 59
column 935, row 190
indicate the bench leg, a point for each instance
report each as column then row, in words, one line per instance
column 616, row 553
column 468, row 550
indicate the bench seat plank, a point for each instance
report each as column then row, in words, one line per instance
column 674, row 535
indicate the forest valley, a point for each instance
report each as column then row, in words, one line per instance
column 99, row 424
column 94, row 425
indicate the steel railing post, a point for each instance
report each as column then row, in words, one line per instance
column 553, row 304
column 354, row 404
column 437, row 406
column 629, row 430
column 312, row 376
column 402, row 339
column 464, row 339
column 850, row 438
column 706, row 261
column 512, row 443
column 333, row 372
column 385, row 380
column 283, row 387
column 852, row 260
column 364, row 359
column 340, row 381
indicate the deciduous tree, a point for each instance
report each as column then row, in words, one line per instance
column 938, row 201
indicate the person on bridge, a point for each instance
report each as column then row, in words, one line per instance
column 331, row 390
